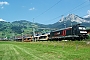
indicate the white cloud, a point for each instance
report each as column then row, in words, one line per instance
column 88, row 14
column 4, row 3
column 1, row 19
column 32, row 8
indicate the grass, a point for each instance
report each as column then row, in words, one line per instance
column 70, row 50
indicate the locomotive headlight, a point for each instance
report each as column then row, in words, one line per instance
column 83, row 31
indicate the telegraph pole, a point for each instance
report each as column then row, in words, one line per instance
column 64, row 21
column 13, row 36
column 65, row 24
column 72, row 20
column 22, row 37
column 33, row 30
column 72, row 26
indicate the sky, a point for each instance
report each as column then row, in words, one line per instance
column 42, row 11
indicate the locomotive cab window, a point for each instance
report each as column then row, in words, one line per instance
column 82, row 28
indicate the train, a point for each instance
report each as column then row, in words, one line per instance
column 75, row 32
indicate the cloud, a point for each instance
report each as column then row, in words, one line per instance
column 88, row 14
column 32, row 8
column 1, row 19
column 4, row 3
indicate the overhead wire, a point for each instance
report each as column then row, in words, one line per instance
column 83, row 7
column 73, row 9
column 48, row 9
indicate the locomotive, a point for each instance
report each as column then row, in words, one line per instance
column 75, row 32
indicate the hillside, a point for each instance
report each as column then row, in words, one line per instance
column 12, row 29
column 16, row 28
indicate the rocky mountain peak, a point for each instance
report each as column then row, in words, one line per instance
column 73, row 18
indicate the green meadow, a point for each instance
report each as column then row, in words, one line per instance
column 57, row 50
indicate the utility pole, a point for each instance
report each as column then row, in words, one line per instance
column 22, row 34
column 72, row 20
column 22, row 37
column 72, row 25
column 65, row 24
column 13, row 36
column 64, row 21
column 33, row 30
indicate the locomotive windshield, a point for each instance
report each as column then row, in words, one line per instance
column 82, row 28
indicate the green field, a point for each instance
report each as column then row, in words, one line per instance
column 70, row 50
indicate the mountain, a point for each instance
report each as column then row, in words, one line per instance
column 87, row 17
column 11, row 29
column 71, row 19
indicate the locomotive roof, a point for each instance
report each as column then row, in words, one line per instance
column 79, row 25
column 68, row 27
column 62, row 29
